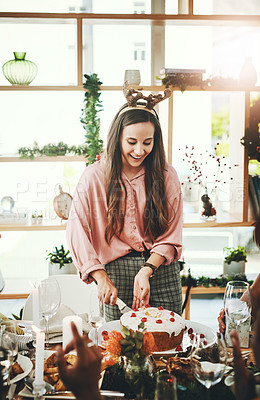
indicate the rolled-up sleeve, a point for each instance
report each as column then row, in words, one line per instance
column 79, row 236
column 169, row 244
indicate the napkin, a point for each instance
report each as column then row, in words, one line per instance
column 56, row 322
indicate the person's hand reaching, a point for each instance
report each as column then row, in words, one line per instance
column 82, row 377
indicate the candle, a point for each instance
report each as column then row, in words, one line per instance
column 39, row 356
column 67, row 332
column 35, row 305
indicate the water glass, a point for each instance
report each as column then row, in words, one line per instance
column 6, row 354
column 96, row 313
column 166, row 387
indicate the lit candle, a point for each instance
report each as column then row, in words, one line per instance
column 35, row 306
column 67, row 332
column 39, row 356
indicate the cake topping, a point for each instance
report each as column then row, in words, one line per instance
column 172, row 313
column 133, row 315
column 147, row 306
column 160, row 308
column 136, row 309
column 202, row 335
column 172, row 319
column 159, row 321
column 144, row 319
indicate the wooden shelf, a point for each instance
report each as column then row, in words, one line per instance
column 154, row 88
column 11, row 159
column 16, row 289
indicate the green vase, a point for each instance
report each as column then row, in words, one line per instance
column 20, row 71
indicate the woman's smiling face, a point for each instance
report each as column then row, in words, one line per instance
column 137, row 142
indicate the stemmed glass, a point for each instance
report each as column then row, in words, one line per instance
column 6, row 354
column 49, row 301
column 96, row 313
column 208, row 362
column 238, row 301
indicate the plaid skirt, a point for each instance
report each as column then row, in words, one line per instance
column 165, row 286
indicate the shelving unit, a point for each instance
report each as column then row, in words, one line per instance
column 133, row 19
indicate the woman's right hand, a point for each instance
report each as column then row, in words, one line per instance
column 221, row 321
column 106, row 289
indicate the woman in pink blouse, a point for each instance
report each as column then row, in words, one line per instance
column 125, row 224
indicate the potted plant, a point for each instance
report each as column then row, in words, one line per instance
column 235, row 259
column 60, row 262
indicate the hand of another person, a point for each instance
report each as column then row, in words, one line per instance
column 82, row 377
column 244, row 381
column 141, row 288
column 221, row 321
column 106, row 289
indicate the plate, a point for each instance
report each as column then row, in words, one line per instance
column 26, row 365
column 210, row 335
column 105, row 393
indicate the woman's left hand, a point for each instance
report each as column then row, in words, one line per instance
column 141, row 288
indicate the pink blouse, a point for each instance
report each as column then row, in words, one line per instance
column 88, row 220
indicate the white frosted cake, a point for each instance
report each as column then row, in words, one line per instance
column 166, row 326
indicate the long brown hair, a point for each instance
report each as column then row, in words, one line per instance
column 155, row 217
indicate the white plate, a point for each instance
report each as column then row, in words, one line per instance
column 210, row 335
column 26, row 365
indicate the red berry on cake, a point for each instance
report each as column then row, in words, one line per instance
column 144, row 319
column 172, row 313
column 133, row 315
column 136, row 309
column 202, row 335
column 192, row 336
column 190, row 331
column 147, row 306
column 159, row 321
column 172, row 319
column 160, row 308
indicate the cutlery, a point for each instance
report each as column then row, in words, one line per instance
column 50, row 390
column 123, row 308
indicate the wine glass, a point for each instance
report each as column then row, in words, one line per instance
column 166, row 387
column 49, row 301
column 9, row 326
column 238, row 301
column 208, row 362
column 96, row 313
column 6, row 355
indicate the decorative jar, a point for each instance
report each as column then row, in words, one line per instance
column 20, row 71
column 137, row 373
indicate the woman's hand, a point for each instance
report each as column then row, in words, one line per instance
column 221, row 321
column 142, row 288
column 106, row 289
column 82, row 377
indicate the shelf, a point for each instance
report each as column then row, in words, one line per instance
column 43, row 159
column 155, row 88
column 15, row 228
column 62, row 227
column 16, row 289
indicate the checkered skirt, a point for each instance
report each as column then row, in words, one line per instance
column 165, row 285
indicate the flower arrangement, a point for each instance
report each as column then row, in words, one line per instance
column 133, row 345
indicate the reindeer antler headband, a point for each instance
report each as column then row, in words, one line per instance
column 133, row 96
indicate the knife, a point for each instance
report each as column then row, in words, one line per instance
column 123, row 308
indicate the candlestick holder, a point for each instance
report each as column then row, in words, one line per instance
column 39, row 390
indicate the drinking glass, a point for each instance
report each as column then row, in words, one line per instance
column 49, row 301
column 166, row 387
column 96, row 313
column 208, row 362
column 9, row 326
column 238, row 301
column 6, row 354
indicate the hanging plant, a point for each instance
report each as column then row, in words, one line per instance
column 90, row 118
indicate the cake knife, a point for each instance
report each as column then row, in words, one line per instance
column 123, row 308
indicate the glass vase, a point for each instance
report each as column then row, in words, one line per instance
column 137, row 373
column 20, row 71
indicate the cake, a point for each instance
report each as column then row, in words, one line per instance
column 166, row 326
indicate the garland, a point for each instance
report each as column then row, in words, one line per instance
column 220, row 281
column 51, row 150
column 90, row 119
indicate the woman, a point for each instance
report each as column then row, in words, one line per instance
column 125, row 224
